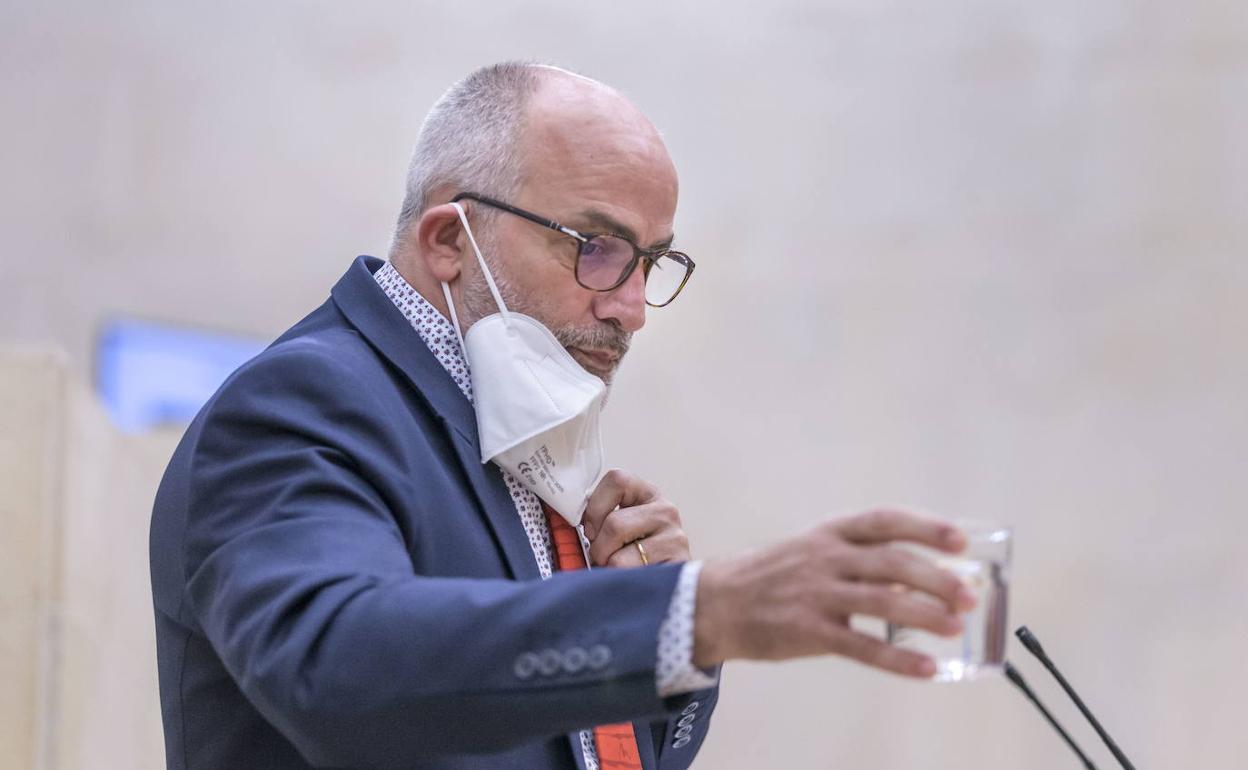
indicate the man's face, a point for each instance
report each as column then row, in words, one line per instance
column 595, row 164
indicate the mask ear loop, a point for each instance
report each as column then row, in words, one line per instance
column 489, row 279
column 450, row 304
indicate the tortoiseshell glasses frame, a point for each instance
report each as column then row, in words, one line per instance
column 604, row 261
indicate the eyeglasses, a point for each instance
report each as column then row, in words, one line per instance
column 604, row 261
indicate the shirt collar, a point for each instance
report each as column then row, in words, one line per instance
column 434, row 329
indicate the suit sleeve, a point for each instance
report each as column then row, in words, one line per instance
column 678, row 738
column 300, row 577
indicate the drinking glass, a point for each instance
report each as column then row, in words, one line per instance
column 984, row 567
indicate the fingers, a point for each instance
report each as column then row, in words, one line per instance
column 630, row 555
column 900, row 607
column 880, row 654
column 796, row 597
column 886, row 564
column 657, row 523
column 882, row 525
column 667, row 546
column 617, row 488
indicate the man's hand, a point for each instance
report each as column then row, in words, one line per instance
column 795, row 598
column 624, row 509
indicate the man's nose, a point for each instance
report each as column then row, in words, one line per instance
column 626, row 303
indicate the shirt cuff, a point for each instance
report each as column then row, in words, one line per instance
column 675, row 673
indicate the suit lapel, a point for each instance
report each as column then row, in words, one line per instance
column 492, row 495
column 370, row 311
column 645, row 745
column 578, row 753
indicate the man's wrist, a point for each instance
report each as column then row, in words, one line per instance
column 709, row 632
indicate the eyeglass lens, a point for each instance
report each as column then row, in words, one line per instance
column 604, row 259
column 665, row 278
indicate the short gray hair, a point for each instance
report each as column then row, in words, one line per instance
column 470, row 138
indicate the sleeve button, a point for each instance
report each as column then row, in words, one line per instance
column 599, row 656
column 526, row 664
column 550, row 662
column 575, row 659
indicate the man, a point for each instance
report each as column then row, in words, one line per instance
column 340, row 581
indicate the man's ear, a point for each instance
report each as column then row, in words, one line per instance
column 440, row 242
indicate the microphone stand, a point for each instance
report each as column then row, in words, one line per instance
column 1032, row 644
column 1012, row 674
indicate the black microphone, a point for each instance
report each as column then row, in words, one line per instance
column 1032, row 644
column 1012, row 674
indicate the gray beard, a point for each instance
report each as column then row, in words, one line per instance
column 478, row 302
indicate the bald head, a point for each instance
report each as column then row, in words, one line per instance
column 574, row 126
column 508, row 123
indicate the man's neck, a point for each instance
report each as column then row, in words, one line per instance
column 419, row 278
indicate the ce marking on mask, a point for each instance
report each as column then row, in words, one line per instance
column 540, row 465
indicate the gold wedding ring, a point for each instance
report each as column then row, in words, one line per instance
column 642, row 551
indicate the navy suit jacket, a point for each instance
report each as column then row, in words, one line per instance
column 340, row 582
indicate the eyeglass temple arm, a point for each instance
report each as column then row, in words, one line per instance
column 550, row 223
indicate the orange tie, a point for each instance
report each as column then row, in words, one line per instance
column 617, row 745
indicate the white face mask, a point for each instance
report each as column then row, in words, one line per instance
column 537, row 408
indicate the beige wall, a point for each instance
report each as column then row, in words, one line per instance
column 32, row 392
column 987, row 257
column 77, row 632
